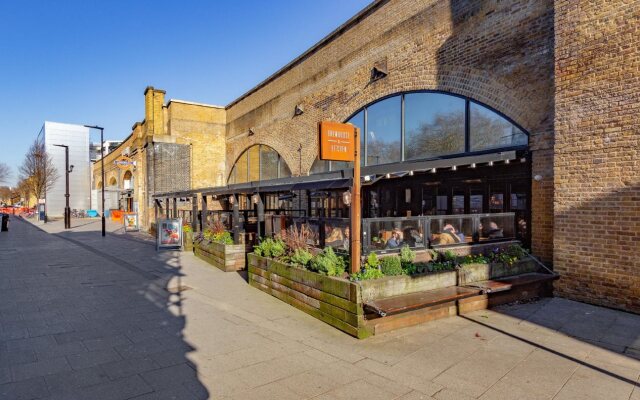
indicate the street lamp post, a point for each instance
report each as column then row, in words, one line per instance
column 101, row 168
column 67, row 171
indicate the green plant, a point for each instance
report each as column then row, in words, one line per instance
column 407, row 255
column 301, row 257
column 187, row 228
column 517, row 251
column 449, row 255
column 474, row 259
column 366, row 274
column 272, row 248
column 391, row 266
column 440, row 266
column 223, row 237
column 327, row 263
column 372, row 261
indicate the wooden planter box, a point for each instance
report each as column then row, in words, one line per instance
column 187, row 241
column 391, row 286
column 227, row 257
column 336, row 301
column 469, row 273
column 339, row 302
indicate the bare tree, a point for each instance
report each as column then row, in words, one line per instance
column 37, row 169
column 5, row 172
column 23, row 190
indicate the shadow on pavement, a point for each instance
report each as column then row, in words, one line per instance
column 91, row 317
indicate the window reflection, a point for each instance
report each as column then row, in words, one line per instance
column 434, row 125
column 268, row 163
column 490, row 130
column 258, row 162
column 383, row 131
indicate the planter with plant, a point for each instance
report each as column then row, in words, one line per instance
column 187, row 238
column 495, row 263
column 397, row 275
column 215, row 246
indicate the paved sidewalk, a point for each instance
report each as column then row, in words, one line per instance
column 86, row 317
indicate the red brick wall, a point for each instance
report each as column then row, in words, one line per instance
column 597, row 145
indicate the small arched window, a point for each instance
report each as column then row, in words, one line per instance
column 258, row 163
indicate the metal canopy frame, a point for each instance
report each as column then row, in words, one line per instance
column 342, row 178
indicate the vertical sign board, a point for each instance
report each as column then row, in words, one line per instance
column 130, row 221
column 340, row 142
column 337, row 141
column 169, row 233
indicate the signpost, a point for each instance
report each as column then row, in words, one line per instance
column 339, row 142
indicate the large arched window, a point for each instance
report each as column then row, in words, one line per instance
column 258, row 163
column 423, row 125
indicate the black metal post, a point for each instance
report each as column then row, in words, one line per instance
column 102, row 171
column 67, row 210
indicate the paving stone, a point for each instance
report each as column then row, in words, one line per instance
column 61, row 350
column 170, row 376
column 24, row 390
column 123, row 368
column 16, row 356
column 5, row 375
column 68, row 381
column 92, row 358
column 106, row 342
column 50, row 366
column 125, row 388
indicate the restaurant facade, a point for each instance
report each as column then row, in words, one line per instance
column 476, row 116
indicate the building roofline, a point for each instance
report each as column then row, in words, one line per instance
column 193, row 103
column 114, row 150
column 353, row 21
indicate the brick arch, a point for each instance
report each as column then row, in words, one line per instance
column 464, row 81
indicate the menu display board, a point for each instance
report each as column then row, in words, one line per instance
column 169, row 233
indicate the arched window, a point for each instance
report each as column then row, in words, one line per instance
column 427, row 124
column 127, row 180
column 258, row 163
column 113, row 181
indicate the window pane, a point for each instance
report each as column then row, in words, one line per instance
column 319, row 166
column 358, row 121
column 489, row 130
column 241, row 168
column 268, row 163
column 434, row 125
column 383, row 132
column 254, row 163
column 285, row 172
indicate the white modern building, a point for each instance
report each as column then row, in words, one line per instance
column 77, row 138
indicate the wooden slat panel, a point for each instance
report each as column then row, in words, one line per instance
column 413, row 301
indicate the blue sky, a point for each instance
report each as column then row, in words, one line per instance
column 88, row 62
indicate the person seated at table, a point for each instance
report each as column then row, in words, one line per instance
column 335, row 236
column 395, row 240
column 494, row 232
column 448, row 235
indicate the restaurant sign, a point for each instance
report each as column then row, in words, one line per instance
column 337, row 141
column 123, row 162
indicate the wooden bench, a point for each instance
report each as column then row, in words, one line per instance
column 415, row 301
column 507, row 283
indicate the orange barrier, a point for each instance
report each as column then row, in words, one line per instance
column 116, row 215
column 16, row 210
